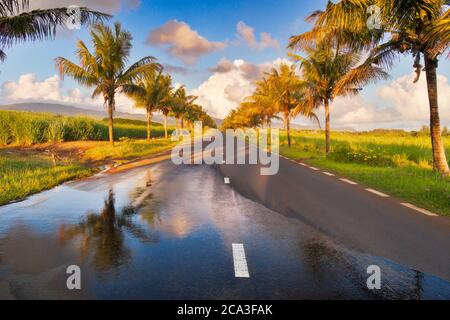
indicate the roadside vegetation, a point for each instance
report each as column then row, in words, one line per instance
column 395, row 162
column 26, row 128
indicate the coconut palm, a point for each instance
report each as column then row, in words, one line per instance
column 330, row 74
column 262, row 102
column 105, row 69
column 418, row 27
column 18, row 24
column 181, row 101
column 286, row 90
column 152, row 94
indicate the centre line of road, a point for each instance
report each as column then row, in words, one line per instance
column 378, row 193
column 240, row 262
column 348, row 181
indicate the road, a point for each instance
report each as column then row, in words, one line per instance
column 168, row 232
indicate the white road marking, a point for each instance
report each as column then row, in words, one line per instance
column 378, row 193
column 227, row 180
column 313, row 168
column 328, row 174
column 426, row 212
column 348, row 181
column 240, row 262
column 303, row 164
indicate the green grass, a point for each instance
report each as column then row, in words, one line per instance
column 397, row 163
column 26, row 128
column 21, row 177
column 131, row 149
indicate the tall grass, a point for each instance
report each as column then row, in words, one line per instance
column 26, row 128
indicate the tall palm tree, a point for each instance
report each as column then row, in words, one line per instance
column 286, row 89
column 181, row 101
column 418, row 27
column 105, row 69
column 18, row 24
column 152, row 94
column 331, row 73
column 262, row 102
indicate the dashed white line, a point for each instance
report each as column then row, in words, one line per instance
column 313, row 168
column 348, row 181
column 303, row 164
column 413, row 207
column 378, row 193
column 328, row 174
column 227, row 180
column 240, row 262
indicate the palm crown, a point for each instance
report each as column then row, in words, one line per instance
column 17, row 24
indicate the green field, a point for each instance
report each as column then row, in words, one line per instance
column 398, row 163
column 26, row 128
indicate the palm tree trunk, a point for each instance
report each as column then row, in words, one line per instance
column 287, row 124
column 165, row 127
column 439, row 158
column 111, row 122
column 149, row 126
column 327, row 127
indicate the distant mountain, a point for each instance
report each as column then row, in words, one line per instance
column 67, row 110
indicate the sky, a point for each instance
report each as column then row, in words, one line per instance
column 217, row 49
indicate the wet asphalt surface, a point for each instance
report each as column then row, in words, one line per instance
column 166, row 232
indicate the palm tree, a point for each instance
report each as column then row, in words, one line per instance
column 418, row 27
column 286, row 90
column 17, row 24
column 181, row 101
column 262, row 102
column 331, row 73
column 152, row 94
column 105, row 69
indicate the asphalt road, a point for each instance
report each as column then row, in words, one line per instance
column 365, row 221
column 180, row 232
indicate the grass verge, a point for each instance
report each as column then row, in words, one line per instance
column 406, row 176
column 26, row 171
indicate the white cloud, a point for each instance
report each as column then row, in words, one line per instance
column 247, row 34
column 183, row 42
column 29, row 88
column 400, row 104
column 230, row 83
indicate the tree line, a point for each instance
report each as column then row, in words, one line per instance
column 105, row 68
column 351, row 44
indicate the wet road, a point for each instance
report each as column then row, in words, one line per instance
column 166, row 232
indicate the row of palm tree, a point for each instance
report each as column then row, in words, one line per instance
column 105, row 69
column 333, row 64
column 419, row 28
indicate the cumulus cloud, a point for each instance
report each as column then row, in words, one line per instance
column 399, row 104
column 182, row 42
column 29, row 88
column 109, row 6
column 247, row 34
column 229, row 84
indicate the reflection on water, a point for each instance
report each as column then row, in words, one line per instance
column 101, row 235
column 165, row 232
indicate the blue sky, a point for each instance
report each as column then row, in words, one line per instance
column 215, row 22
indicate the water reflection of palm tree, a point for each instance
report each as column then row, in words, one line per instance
column 102, row 235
